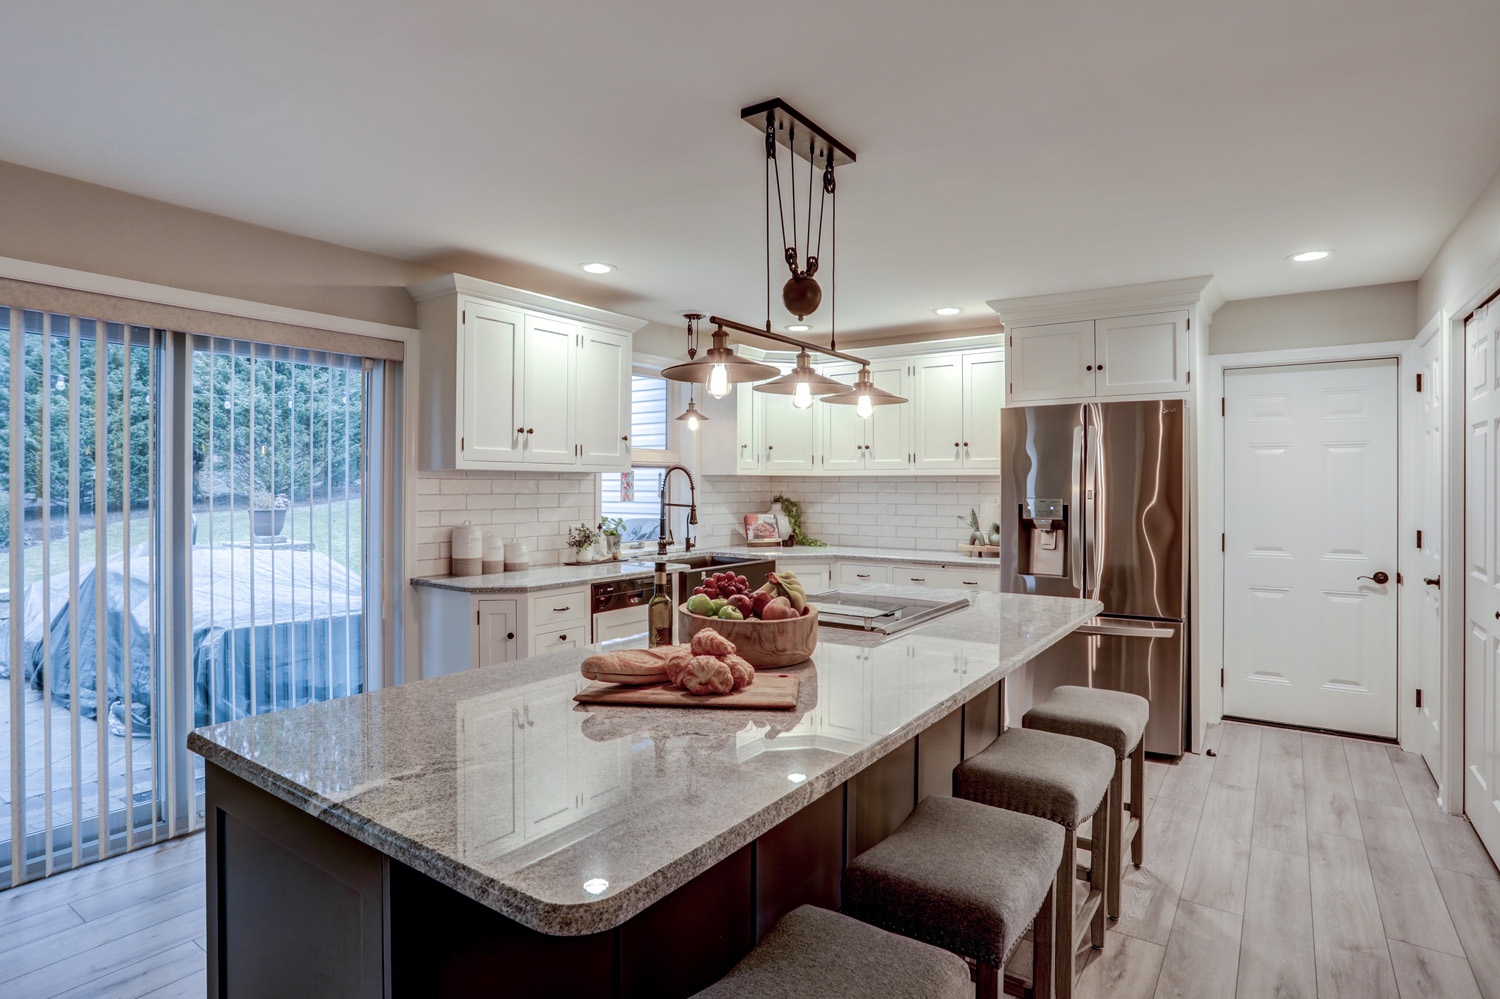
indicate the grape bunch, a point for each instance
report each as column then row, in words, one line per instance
column 723, row 584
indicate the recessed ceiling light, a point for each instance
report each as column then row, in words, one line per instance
column 798, row 328
column 948, row 310
column 596, row 267
column 1308, row 256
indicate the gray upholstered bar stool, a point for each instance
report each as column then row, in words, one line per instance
column 1117, row 720
column 816, row 953
column 966, row 878
column 1065, row 781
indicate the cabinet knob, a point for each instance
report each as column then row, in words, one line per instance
column 625, row 438
column 966, row 443
column 1088, row 367
column 770, row 447
column 520, row 430
column 955, row 444
column 510, row 636
column 1098, row 367
column 562, row 638
column 528, row 430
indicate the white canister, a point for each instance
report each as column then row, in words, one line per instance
column 517, row 557
column 468, row 550
column 494, row 553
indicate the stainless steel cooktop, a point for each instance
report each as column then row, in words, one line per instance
column 884, row 615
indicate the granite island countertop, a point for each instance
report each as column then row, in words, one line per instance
column 570, row 819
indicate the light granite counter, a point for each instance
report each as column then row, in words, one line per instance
column 571, row 819
column 905, row 556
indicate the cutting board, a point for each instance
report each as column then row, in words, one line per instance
column 771, row 691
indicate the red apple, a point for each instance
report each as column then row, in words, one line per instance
column 742, row 603
column 758, row 602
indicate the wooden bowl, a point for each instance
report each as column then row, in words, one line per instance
column 763, row 644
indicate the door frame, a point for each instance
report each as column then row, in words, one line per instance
column 1209, row 695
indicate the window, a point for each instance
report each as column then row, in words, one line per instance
column 649, row 419
column 635, row 496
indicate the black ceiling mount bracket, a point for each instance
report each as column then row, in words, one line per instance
column 787, row 120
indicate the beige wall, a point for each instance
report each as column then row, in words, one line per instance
column 67, row 223
column 1468, row 256
column 1370, row 314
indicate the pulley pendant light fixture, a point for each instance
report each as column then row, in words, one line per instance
column 720, row 368
column 865, row 396
column 802, row 383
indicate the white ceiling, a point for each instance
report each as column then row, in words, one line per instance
column 1004, row 149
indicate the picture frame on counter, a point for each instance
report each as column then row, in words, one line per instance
column 762, row 529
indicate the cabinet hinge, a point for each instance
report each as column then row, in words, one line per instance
column 1221, row 677
column 1419, row 539
column 464, row 316
column 1419, row 381
column 1419, row 698
column 1223, row 544
column 1189, row 378
column 1190, row 322
column 476, row 617
column 461, row 443
column 1222, row 410
column 1400, row 579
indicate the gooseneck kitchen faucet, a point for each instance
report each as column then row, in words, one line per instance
column 692, row 507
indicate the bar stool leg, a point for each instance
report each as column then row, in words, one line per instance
column 1116, row 824
column 1099, row 869
column 1043, row 948
column 1138, row 802
column 1064, row 942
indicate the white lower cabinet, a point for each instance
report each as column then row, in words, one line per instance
column 463, row 631
column 952, row 577
column 815, row 577
column 856, row 573
column 496, row 641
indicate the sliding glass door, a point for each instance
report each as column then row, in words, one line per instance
column 188, row 535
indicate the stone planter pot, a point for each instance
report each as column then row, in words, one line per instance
column 267, row 523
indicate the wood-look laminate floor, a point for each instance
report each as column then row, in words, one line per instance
column 1289, row 865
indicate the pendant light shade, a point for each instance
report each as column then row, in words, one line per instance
column 720, row 368
column 691, row 416
column 802, row 383
column 864, row 396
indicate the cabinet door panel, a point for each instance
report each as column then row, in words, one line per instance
column 497, row 632
column 790, row 433
column 603, row 400
column 1050, row 362
column 550, row 796
column 749, row 407
column 548, row 406
column 938, row 419
column 857, row 573
column 888, row 432
column 1142, row 354
column 844, row 433
column 984, row 397
column 815, row 577
column 488, row 775
column 490, row 409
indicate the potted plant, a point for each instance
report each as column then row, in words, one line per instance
column 612, row 528
column 581, row 539
column 267, row 513
column 793, row 511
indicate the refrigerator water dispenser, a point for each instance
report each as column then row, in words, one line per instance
column 1044, row 538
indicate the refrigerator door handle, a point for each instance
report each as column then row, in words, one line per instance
column 1124, row 628
column 1092, row 497
column 1075, row 518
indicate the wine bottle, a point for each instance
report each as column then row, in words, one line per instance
column 659, row 610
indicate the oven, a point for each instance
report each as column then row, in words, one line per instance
column 619, row 608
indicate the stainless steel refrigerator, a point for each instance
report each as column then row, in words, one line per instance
column 1094, row 504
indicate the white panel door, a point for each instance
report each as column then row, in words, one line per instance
column 1482, row 580
column 984, row 397
column 603, row 393
column 1310, row 455
column 548, row 406
column 490, row 420
column 844, row 433
column 496, row 640
column 790, row 433
column 1422, row 610
column 888, row 430
column 1141, row 355
column 938, row 411
column 1052, row 362
column 748, row 429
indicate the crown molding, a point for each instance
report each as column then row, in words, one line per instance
column 158, row 294
column 460, row 284
column 1104, row 303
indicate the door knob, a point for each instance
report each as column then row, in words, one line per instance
column 1433, row 581
column 1380, row 578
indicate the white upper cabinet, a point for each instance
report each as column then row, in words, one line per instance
column 512, row 379
column 748, row 405
column 1136, row 355
column 603, row 410
column 551, row 347
column 1051, row 362
column 489, row 356
column 938, row 413
column 791, row 441
column 888, row 430
column 844, row 433
column 984, row 397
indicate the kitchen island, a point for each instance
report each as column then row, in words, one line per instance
column 481, row 833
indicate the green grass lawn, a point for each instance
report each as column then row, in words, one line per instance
column 328, row 522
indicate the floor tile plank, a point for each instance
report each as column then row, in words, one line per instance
column 1371, row 773
column 1148, row 895
column 1126, row 968
column 1474, row 904
column 1188, row 780
column 1428, row 974
column 1276, row 941
column 1281, row 805
column 144, row 977
column 1239, row 755
column 1201, row 961
column 1221, row 853
column 1330, row 794
column 1353, row 959
column 1411, row 905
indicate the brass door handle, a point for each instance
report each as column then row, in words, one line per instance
column 1380, row 578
